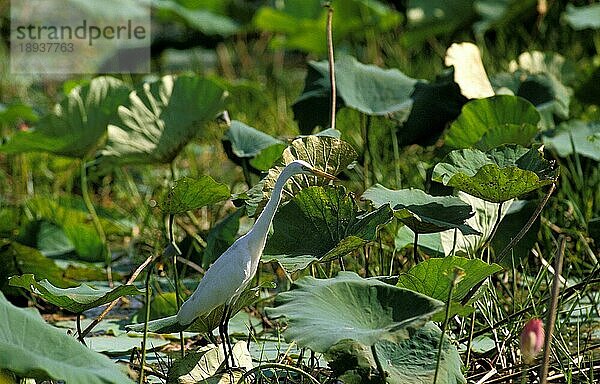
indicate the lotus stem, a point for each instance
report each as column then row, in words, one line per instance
column 96, row 221
column 382, row 373
column 457, row 276
column 146, row 321
column 330, row 59
column 416, row 249
column 551, row 319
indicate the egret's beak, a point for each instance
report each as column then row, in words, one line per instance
column 326, row 175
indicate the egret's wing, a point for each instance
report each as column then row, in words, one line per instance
column 223, row 280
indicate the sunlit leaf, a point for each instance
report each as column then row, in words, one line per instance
column 31, row 348
column 160, row 118
column 469, row 72
column 423, row 213
column 322, row 312
column 76, row 125
column 491, row 122
column 410, row 361
column 498, row 175
column 188, row 194
column 77, row 299
column 433, row 277
column 321, row 223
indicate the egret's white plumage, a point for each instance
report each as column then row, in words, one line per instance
column 227, row 277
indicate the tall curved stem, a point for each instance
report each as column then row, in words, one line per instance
column 96, row 221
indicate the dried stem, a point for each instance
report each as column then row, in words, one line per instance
column 331, row 63
column 551, row 319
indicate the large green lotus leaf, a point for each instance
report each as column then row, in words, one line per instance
column 410, row 361
column 576, row 136
column 364, row 87
column 76, row 125
column 31, row 348
column 490, row 122
column 443, row 243
column 326, row 153
column 432, row 277
column 188, row 194
column 429, row 18
column 587, row 16
column 423, row 213
column 18, row 258
column 160, row 118
column 201, row 366
column 413, row 361
column 77, row 299
column 300, row 24
column 72, row 217
column 497, row 175
column 205, row 21
column 322, row 223
column 203, row 324
column 322, row 312
column 372, row 90
column 247, row 141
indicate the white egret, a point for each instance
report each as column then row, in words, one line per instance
column 229, row 275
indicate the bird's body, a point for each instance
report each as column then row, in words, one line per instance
column 231, row 273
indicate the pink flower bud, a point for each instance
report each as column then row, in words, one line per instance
column 532, row 340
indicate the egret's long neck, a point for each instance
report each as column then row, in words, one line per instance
column 265, row 218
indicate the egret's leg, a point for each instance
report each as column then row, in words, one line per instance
column 229, row 309
column 223, row 335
